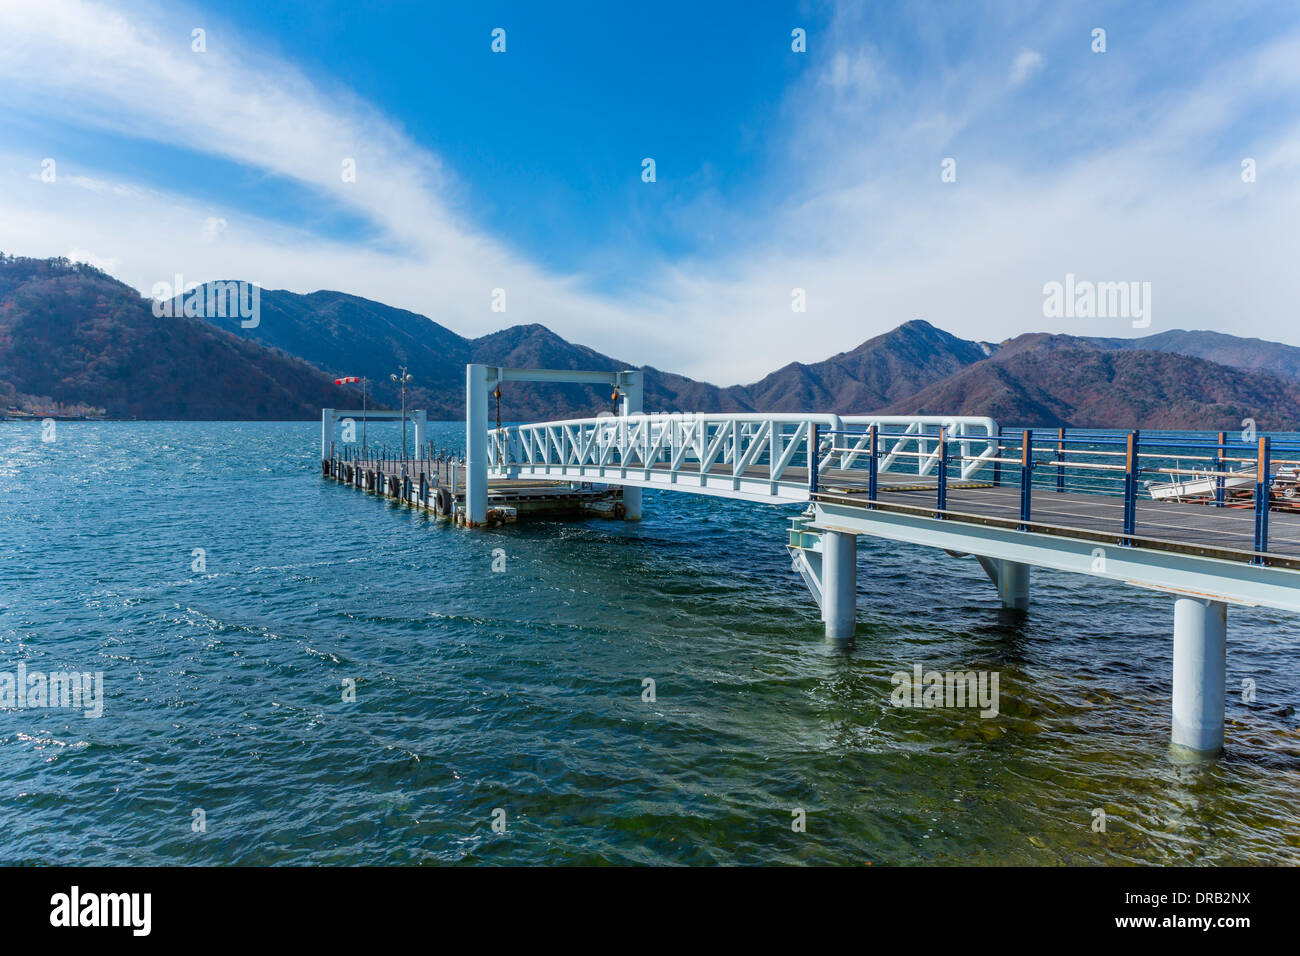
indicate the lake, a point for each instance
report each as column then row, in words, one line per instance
column 230, row 597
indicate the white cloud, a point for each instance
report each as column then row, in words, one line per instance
column 106, row 263
column 851, row 73
column 117, row 72
column 1027, row 63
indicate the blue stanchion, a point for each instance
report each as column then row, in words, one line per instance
column 1026, row 478
column 1262, row 481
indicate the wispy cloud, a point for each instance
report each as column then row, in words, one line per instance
column 1111, row 166
column 851, row 74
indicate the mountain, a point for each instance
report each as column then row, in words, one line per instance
column 1256, row 355
column 535, row 346
column 1041, row 378
column 73, row 337
column 880, row 371
column 345, row 334
column 1050, row 383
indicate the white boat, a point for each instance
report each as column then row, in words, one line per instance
column 1201, row 484
column 1287, row 482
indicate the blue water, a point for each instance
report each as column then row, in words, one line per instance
column 522, row 690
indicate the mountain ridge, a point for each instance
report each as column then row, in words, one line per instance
column 303, row 341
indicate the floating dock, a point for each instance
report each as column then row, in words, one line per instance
column 436, row 484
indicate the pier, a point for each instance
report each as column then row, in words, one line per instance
column 1206, row 523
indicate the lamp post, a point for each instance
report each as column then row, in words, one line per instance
column 402, row 379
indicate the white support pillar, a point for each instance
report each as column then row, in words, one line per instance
column 632, row 405
column 1011, row 579
column 1013, row 585
column 326, row 432
column 476, row 480
column 421, row 420
column 839, row 583
column 1200, row 670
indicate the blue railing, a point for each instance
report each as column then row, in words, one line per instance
column 1254, row 478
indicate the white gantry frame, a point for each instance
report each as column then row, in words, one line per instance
column 479, row 379
column 330, row 416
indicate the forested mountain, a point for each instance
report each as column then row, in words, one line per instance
column 73, row 338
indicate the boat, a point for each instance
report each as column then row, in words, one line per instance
column 1287, row 482
column 1202, row 484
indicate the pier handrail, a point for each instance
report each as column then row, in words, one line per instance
column 756, row 449
column 922, row 433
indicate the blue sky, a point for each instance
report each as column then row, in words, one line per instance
column 775, row 170
column 547, row 140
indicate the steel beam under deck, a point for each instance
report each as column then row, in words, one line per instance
column 721, row 483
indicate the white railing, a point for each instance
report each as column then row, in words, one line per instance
column 915, row 439
column 754, row 456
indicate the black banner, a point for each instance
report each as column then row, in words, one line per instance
column 337, row 905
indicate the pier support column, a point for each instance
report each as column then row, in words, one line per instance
column 839, row 583
column 476, row 480
column 326, row 432
column 1011, row 579
column 1200, row 670
column 1013, row 585
column 632, row 405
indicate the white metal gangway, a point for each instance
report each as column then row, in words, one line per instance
column 753, row 457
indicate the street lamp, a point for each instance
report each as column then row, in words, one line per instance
column 403, row 379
